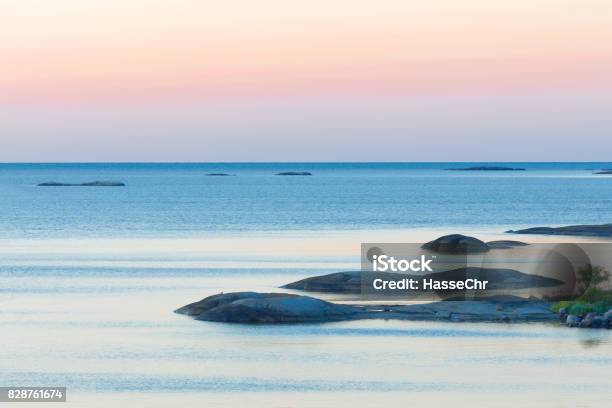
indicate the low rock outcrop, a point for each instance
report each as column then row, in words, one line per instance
column 487, row 168
column 338, row 282
column 456, row 244
column 601, row 230
column 479, row 311
column 87, row 184
column 505, row 244
column 253, row 307
column 294, row 173
column 351, row 281
column 274, row 308
column 589, row 320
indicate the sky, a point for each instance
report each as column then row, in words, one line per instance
column 317, row 80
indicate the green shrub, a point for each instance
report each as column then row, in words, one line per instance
column 560, row 305
column 580, row 309
column 602, row 306
column 593, row 300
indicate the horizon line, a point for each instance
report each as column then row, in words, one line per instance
column 301, row 162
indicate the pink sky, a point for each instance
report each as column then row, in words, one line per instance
column 109, row 54
column 69, row 50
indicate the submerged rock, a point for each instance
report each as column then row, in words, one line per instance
column 253, row 307
column 87, row 184
column 606, row 171
column 602, row 230
column 219, row 174
column 294, row 173
column 456, row 244
column 487, row 168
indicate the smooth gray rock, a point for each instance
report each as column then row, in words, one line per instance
column 476, row 311
column 456, row 244
column 572, row 321
column 603, row 230
column 87, row 184
column 252, row 307
column 598, row 322
column 587, row 320
column 338, row 282
column 498, row 278
column 273, row 308
column 351, row 281
column 563, row 314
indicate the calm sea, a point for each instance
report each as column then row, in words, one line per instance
column 180, row 200
column 90, row 277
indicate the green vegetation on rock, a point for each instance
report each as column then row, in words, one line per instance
column 593, row 300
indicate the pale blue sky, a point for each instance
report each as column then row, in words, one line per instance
column 555, row 126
